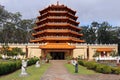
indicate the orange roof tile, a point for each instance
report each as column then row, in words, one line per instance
column 57, row 46
column 104, row 49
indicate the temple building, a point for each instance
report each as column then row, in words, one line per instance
column 57, row 33
column 57, row 28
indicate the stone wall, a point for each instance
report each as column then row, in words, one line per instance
column 85, row 50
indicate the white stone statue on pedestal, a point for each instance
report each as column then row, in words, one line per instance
column 37, row 64
column 23, row 68
column 117, row 60
column 73, row 62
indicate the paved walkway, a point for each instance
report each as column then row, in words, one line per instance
column 57, row 71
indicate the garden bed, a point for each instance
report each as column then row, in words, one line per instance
column 33, row 73
column 101, row 68
column 8, row 66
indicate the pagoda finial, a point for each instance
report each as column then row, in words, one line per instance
column 57, row 2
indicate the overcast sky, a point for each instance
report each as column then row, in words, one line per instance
column 87, row 10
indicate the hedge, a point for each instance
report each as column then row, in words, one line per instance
column 101, row 68
column 11, row 66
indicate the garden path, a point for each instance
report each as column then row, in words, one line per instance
column 57, row 71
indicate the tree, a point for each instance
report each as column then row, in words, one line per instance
column 4, row 49
column 22, row 54
column 14, row 29
column 113, row 54
column 104, row 34
column 96, row 54
column 48, row 56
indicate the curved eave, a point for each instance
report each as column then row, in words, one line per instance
column 104, row 50
column 45, row 9
column 57, row 46
column 58, row 39
column 57, row 31
column 80, row 41
column 57, row 18
column 35, row 40
column 60, row 24
column 57, row 6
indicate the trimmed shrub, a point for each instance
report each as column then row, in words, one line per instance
column 0, row 56
column 101, row 68
column 81, row 62
column 11, row 66
column 117, row 70
column 90, row 65
column 113, row 70
column 8, row 67
column 107, row 69
column 32, row 61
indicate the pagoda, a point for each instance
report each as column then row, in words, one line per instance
column 57, row 27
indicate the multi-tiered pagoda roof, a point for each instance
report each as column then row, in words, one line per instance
column 57, row 24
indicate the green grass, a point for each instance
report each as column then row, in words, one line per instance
column 34, row 73
column 81, row 69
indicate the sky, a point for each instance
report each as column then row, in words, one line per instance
column 87, row 10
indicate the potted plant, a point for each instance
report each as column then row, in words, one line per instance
column 68, row 58
column 96, row 56
column 48, row 57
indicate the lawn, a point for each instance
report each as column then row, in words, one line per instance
column 34, row 73
column 81, row 69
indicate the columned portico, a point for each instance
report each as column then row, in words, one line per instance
column 57, row 54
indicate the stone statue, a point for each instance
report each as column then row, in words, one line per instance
column 37, row 64
column 117, row 60
column 73, row 62
column 23, row 68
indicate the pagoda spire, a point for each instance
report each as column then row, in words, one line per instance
column 57, row 2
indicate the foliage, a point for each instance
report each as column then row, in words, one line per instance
column 96, row 54
column 113, row 54
column 68, row 58
column 11, row 66
column 91, row 65
column 80, row 57
column 11, row 52
column 107, row 69
column 8, row 67
column 48, row 56
column 81, row 62
column 101, row 68
column 35, row 73
column 14, row 29
column 0, row 56
column 117, row 71
column 32, row 61
column 105, row 34
column 5, row 49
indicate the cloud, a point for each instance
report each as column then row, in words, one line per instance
column 87, row 10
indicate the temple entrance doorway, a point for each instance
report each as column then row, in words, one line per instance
column 57, row 55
